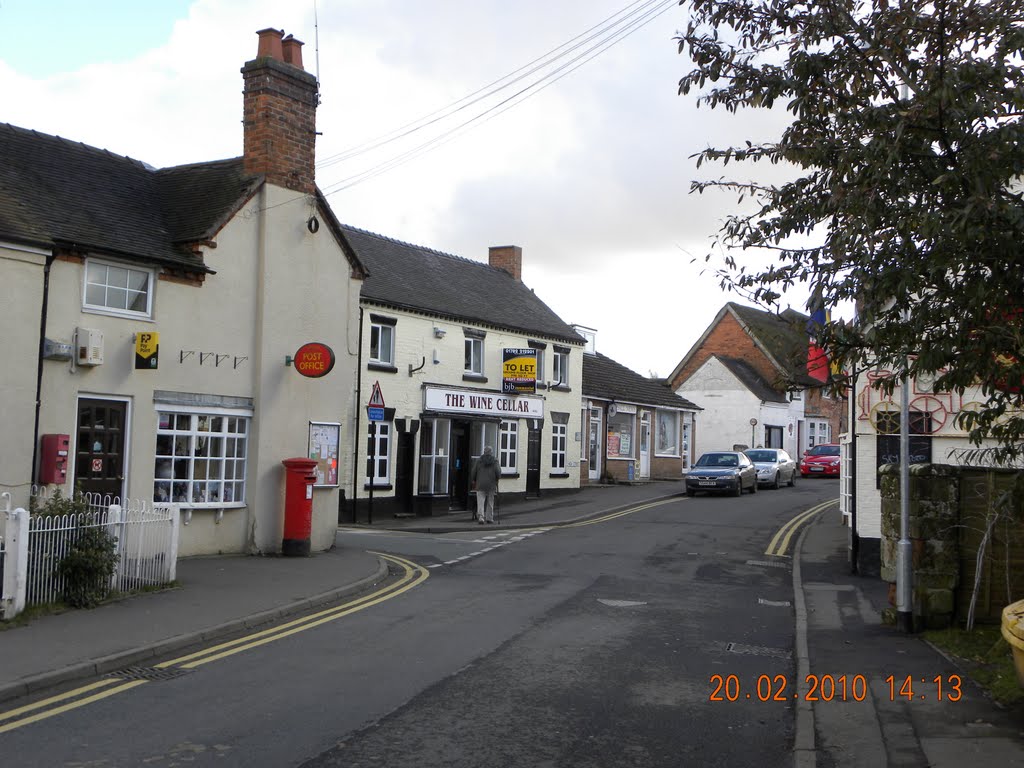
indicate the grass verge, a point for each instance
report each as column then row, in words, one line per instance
column 985, row 656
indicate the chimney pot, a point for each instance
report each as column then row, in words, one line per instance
column 270, row 44
column 292, row 49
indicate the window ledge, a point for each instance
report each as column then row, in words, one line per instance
column 562, row 475
column 560, row 388
column 509, row 475
column 388, row 487
column 381, row 367
column 478, row 378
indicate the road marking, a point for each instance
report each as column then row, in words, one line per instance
column 413, row 575
column 780, row 541
column 774, row 603
column 622, row 513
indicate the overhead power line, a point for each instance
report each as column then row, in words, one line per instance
column 569, row 57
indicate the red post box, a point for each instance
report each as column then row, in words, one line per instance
column 53, row 459
column 298, row 506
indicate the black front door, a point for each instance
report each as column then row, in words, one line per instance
column 99, row 449
column 533, row 462
column 459, row 468
column 405, row 466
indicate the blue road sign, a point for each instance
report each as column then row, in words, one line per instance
column 375, row 414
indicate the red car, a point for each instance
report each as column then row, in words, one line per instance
column 821, row 460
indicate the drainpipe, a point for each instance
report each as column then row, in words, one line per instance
column 854, row 535
column 356, row 430
column 50, row 258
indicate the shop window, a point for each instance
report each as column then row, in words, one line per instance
column 435, row 437
column 667, row 440
column 200, row 458
column 620, row 435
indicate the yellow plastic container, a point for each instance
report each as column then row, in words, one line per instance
column 1013, row 630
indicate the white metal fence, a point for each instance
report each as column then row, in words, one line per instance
column 147, row 548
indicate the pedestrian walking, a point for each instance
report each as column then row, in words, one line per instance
column 485, row 481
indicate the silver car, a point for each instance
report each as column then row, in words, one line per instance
column 774, row 466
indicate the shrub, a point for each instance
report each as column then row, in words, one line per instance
column 88, row 567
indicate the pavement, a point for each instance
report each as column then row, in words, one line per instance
column 839, row 631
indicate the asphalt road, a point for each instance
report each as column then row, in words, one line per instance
column 591, row 645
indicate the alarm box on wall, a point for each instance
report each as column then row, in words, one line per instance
column 89, row 343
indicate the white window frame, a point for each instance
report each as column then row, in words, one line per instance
column 482, row 433
column 381, row 443
column 474, row 356
column 559, row 441
column 195, row 495
column 104, row 309
column 560, row 370
column 508, row 446
column 433, row 464
column 673, row 448
column 540, row 366
column 383, row 356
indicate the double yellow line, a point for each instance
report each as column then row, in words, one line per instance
column 412, row 576
column 622, row 513
column 780, row 541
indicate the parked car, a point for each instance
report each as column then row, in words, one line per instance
column 774, row 466
column 821, row 460
column 729, row 471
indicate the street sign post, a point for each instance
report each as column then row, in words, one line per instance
column 375, row 414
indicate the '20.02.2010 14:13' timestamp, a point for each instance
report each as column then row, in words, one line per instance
column 827, row 688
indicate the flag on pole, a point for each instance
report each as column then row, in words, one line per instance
column 817, row 360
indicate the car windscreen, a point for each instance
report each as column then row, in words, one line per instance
column 761, row 455
column 825, row 450
column 717, row 460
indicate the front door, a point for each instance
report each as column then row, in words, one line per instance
column 99, row 449
column 458, row 475
column 594, row 445
column 645, row 446
column 533, row 462
column 405, row 465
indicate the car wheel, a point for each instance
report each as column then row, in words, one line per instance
column 775, row 485
column 792, row 479
column 753, row 487
column 690, row 492
column 739, row 487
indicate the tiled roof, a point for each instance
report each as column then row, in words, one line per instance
column 419, row 279
column 783, row 336
column 752, row 380
column 609, row 380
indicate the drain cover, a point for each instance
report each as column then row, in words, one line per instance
column 757, row 650
column 149, row 673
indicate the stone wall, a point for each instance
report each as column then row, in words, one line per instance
column 949, row 507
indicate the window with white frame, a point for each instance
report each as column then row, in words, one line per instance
column 482, row 433
column 117, row 289
column 435, row 438
column 540, row 347
column 508, row 446
column 200, row 458
column 474, row 356
column 687, row 430
column 382, row 340
column 378, row 453
column 560, row 374
column 667, row 439
column 559, row 440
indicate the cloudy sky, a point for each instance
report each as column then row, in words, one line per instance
column 587, row 167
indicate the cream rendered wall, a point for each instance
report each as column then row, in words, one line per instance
column 308, row 294
column 728, row 407
column 21, row 296
column 415, row 344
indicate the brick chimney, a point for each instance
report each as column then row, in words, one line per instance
column 507, row 257
column 279, row 113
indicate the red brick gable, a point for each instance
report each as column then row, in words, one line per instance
column 727, row 338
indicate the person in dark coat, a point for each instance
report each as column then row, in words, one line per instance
column 485, row 480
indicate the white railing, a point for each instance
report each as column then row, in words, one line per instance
column 147, row 548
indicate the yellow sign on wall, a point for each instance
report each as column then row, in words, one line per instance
column 519, row 373
column 147, row 350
